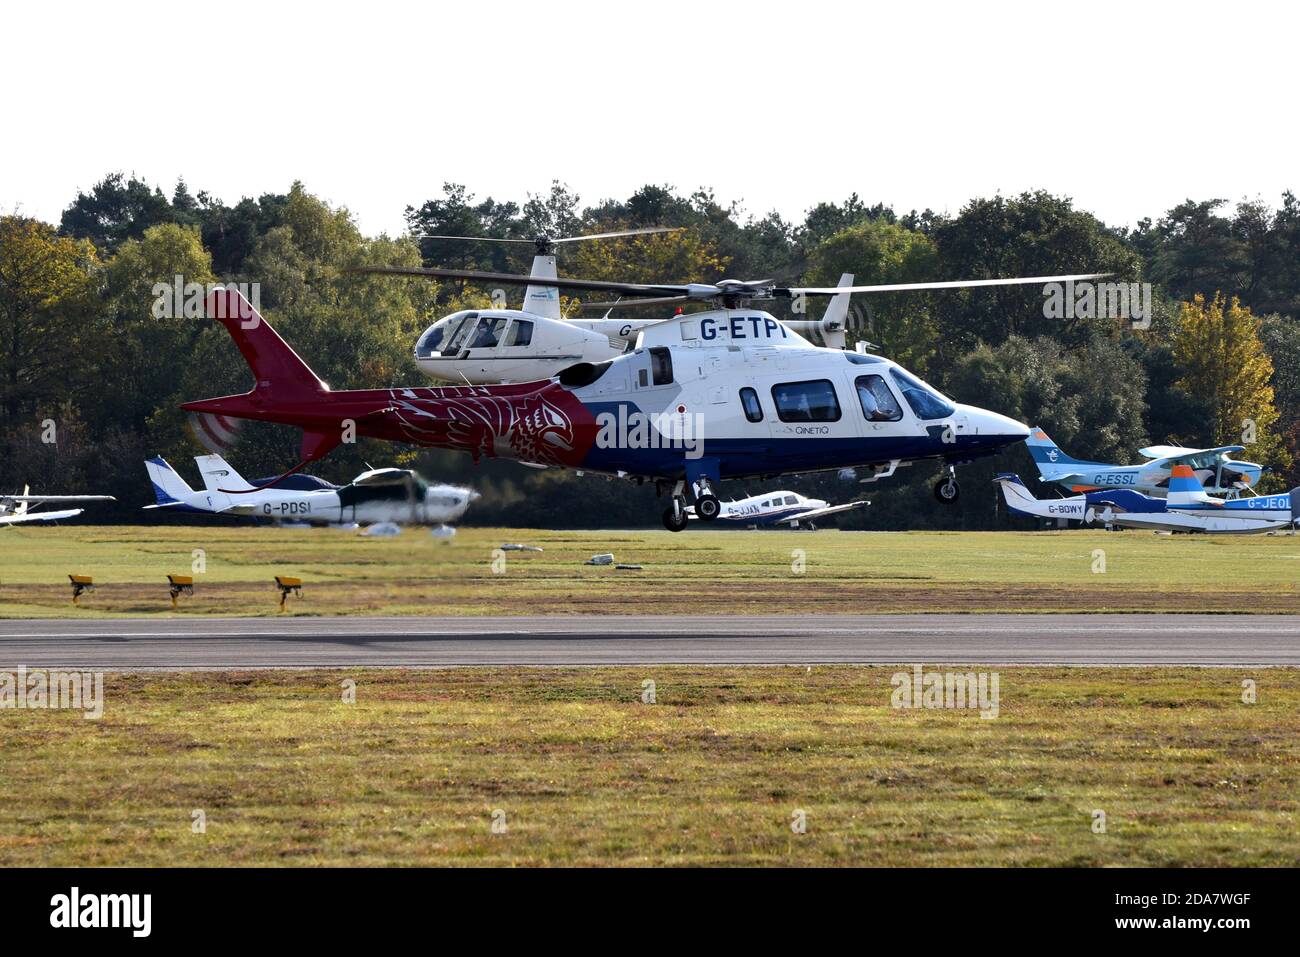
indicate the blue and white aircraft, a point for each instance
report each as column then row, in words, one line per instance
column 1187, row 497
column 1217, row 471
column 1183, row 511
column 777, row 508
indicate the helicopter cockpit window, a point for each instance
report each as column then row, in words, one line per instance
column 437, row 338
column 431, row 341
column 520, row 334
column 878, row 403
column 456, row 338
column 489, row 332
column 661, row 366
column 925, row 401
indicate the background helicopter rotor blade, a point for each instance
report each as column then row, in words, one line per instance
column 627, row 288
column 622, row 303
column 476, row 239
column 647, row 231
column 548, row 241
column 915, row 286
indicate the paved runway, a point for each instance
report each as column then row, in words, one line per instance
column 302, row 642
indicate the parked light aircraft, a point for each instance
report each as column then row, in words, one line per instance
column 397, row 496
column 778, row 508
column 481, row 346
column 1126, row 508
column 726, row 393
column 1216, row 470
column 1187, row 496
column 16, row 509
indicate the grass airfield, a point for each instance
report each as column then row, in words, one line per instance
column 581, row 772
column 575, row 768
column 699, row 572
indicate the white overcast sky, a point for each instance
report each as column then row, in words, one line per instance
column 1128, row 107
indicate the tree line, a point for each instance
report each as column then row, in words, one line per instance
column 84, row 359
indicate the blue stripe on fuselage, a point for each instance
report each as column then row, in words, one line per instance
column 765, row 454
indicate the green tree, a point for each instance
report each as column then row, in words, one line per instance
column 1034, row 234
column 879, row 251
column 46, row 292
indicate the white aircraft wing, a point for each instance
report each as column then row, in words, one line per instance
column 37, row 499
column 820, row 512
column 39, row 516
column 1178, row 452
column 383, row 477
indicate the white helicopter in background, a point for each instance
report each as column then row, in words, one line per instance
column 498, row 345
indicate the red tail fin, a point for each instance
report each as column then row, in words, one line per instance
column 279, row 371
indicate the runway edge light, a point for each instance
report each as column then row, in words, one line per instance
column 80, row 583
column 180, row 585
column 287, row 584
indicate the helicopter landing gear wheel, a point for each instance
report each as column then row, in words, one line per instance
column 947, row 490
column 707, row 506
column 675, row 516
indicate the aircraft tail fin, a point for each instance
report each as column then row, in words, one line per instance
column 1014, row 492
column 21, row 507
column 168, row 487
column 219, row 475
column 1047, row 455
column 1186, row 489
column 279, row 372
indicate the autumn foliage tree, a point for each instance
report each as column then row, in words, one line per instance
column 1223, row 359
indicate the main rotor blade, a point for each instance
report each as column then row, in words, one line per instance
column 513, row 279
column 627, row 303
column 476, row 239
column 957, row 284
column 647, row 231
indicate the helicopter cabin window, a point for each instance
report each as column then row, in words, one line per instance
column 749, row 400
column 806, row 401
column 520, row 334
column 878, row 403
column 661, row 366
column 488, row 334
column 925, row 401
